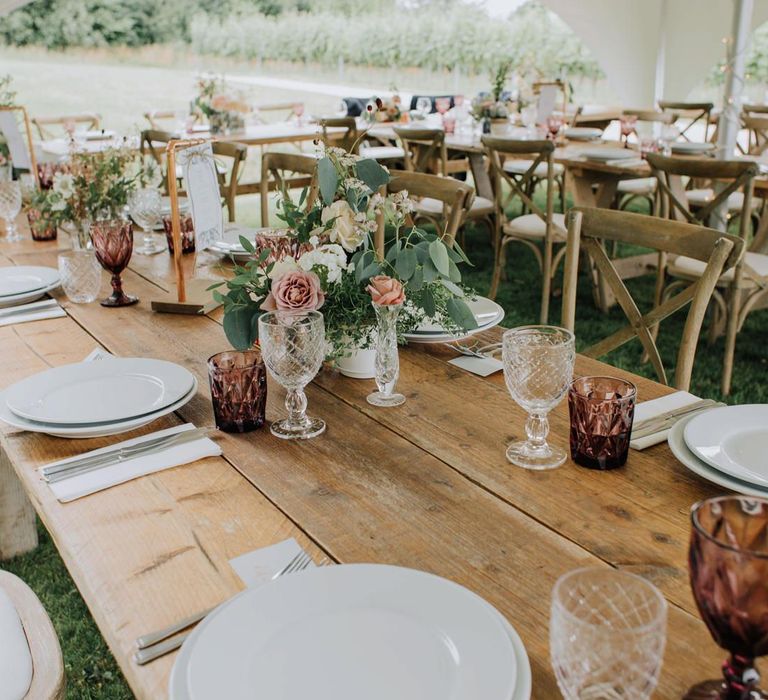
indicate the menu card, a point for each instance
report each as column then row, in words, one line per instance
column 202, row 184
column 17, row 145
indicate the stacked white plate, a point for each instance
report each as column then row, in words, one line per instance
column 93, row 399
column 603, row 155
column 727, row 446
column 230, row 245
column 583, row 133
column 25, row 283
column 354, row 632
column 487, row 314
column 691, row 147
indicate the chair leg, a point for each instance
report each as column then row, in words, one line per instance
column 498, row 264
column 730, row 340
column 546, row 282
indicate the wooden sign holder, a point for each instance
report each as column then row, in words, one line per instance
column 28, row 129
column 192, row 297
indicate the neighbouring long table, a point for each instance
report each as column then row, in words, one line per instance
column 425, row 485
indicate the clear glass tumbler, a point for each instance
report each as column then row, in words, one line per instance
column 538, row 369
column 10, row 206
column 293, row 347
column 80, row 274
column 607, row 634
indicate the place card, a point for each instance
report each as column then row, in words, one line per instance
column 260, row 566
column 202, row 183
column 483, row 366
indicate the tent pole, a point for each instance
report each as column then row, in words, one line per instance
column 730, row 117
column 658, row 87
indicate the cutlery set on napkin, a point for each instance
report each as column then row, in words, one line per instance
column 36, row 311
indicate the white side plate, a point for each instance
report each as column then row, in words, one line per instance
column 24, row 279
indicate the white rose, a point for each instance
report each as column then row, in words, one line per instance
column 64, row 185
column 344, row 230
column 287, row 264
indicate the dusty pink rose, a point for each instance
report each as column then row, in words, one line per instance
column 295, row 290
column 386, row 291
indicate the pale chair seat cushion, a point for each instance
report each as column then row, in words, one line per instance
column 381, row 152
column 15, row 657
column 637, row 185
column 533, row 226
column 520, row 167
column 429, row 205
column 689, row 267
column 702, row 197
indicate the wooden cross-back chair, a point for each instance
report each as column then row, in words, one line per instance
column 348, row 140
column 757, row 129
column 153, row 142
column 156, row 117
column 738, row 291
column 455, row 197
column 696, row 112
column 87, row 120
column 284, row 171
column 426, row 152
column 542, row 229
column 590, row 228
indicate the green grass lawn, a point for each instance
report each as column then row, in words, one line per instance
column 121, row 93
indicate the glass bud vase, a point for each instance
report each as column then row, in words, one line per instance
column 387, row 360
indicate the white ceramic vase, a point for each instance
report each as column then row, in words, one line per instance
column 360, row 364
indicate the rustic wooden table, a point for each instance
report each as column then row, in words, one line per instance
column 425, row 485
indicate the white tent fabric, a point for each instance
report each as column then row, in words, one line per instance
column 654, row 48
column 7, row 6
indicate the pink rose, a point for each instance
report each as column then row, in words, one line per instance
column 386, row 291
column 295, row 290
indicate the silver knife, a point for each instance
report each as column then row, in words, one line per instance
column 64, row 471
column 667, row 420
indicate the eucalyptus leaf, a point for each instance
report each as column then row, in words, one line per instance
column 406, row 264
column 460, row 314
column 453, row 288
column 370, row 271
column 428, row 303
column 328, row 179
column 417, row 281
column 363, row 264
column 430, row 272
column 393, row 252
column 214, row 286
column 238, row 326
column 453, row 272
column 438, row 253
column 247, row 245
column 372, row 174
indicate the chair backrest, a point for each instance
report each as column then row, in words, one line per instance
column 754, row 109
column 588, row 230
column 507, row 186
column 154, row 142
column 695, row 112
column 455, row 195
column 235, row 153
column 425, row 150
column 283, row 171
column 651, row 115
column 155, row 116
column 43, row 125
column 758, row 133
column 348, row 140
column 732, row 174
column 290, row 108
column 48, row 680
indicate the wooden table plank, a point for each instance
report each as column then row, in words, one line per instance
column 369, row 491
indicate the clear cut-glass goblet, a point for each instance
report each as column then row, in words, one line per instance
column 145, row 206
column 607, row 635
column 538, row 369
column 10, row 206
column 293, row 348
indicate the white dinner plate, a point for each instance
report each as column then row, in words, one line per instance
column 676, row 441
column 487, row 312
column 606, row 154
column 114, row 389
column 347, row 633
column 583, row 133
column 231, row 246
column 96, row 134
column 733, row 439
column 23, row 279
column 92, row 430
column 691, row 147
column 17, row 299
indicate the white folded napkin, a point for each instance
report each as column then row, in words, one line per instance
column 484, row 366
column 97, row 354
column 260, row 566
column 175, row 455
column 655, row 407
column 36, row 311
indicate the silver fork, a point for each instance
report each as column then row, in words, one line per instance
column 156, row 644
